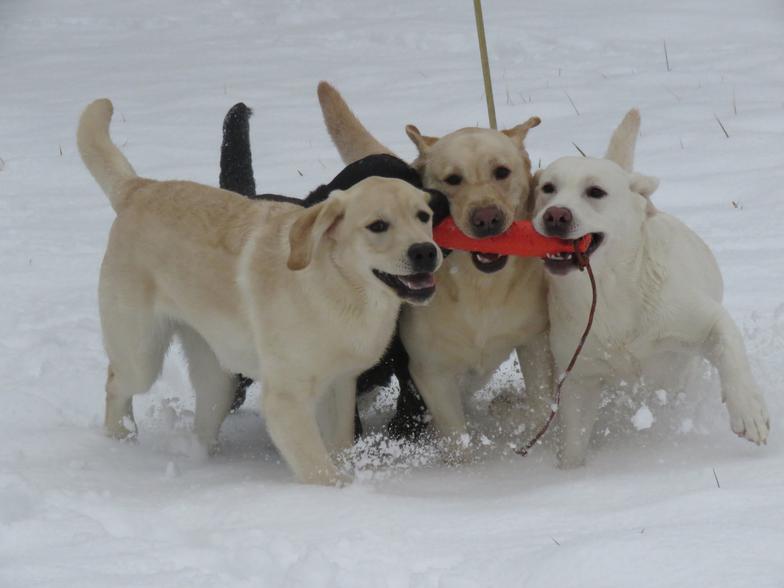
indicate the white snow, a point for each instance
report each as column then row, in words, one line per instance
column 643, row 418
column 77, row 509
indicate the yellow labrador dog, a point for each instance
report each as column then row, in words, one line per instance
column 487, row 306
column 301, row 299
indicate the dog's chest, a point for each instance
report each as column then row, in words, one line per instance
column 352, row 341
column 477, row 320
column 624, row 339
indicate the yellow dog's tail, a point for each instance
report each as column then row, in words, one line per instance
column 106, row 163
column 349, row 135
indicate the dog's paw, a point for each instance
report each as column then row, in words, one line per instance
column 403, row 426
column 326, row 477
column 212, row 448
column 505, row 405
column 518, row 421
column 571, row 456
column 458, row 449
column 122, row 430
column 749, row 418
column 570, row 464
column 570, row 460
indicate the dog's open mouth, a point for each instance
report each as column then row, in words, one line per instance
column 563, row 263
column 488, row 262
column 411, row 288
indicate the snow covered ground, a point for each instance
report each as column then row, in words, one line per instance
column 77, row 509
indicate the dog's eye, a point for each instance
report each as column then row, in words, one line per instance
column 378, row 226
column 548, row 188
column 501, row 172
column 423, row 216
column 454, row 180
column 595, row 192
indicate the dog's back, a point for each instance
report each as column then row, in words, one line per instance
column 175, row 236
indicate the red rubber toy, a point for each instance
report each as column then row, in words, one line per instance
column 519, row 239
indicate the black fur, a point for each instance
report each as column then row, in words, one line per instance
column 237, row 174
column 236, row 164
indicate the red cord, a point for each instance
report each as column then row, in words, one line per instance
column 582, row 263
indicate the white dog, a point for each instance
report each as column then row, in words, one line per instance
column 660, row 294
column 301, row 299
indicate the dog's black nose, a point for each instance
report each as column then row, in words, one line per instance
column 487, row 221
column 423, row 256
column 558, row 221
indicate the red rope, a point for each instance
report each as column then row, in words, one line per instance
column 584, row 264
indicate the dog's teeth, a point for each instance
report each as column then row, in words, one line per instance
column 418, row 282
column 559, row 256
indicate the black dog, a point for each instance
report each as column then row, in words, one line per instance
column 237, row 175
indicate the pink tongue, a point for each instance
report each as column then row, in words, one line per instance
column 418, row 281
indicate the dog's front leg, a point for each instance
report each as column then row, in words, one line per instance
column 337, row 414
column 536, row 365
column 441, row 393
column 580, row 399
column 290, row 413
column 724, row 349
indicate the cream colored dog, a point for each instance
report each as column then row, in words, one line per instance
column 486, row 306
column 660, row 292
column 302, row 300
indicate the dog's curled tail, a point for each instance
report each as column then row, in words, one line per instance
column 236, row 163
column 103, row 159
column 623, row 141
column 350, row 136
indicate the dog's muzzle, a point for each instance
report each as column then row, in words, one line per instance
column 487, row 221
column 416, row 288
column 423, row 257
column 558, row 221
column 563, row 263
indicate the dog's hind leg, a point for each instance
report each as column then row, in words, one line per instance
column 290, row 414
column 338, row 409
column 725, row 349
column 136, row 343
column 214, row 387
column 411, row 416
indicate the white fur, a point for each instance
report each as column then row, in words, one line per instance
column 659, row 304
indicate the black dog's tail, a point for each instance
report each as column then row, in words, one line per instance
column 236, row 165
column 236, row 174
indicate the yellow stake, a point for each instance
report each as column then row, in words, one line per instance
column 480, row 31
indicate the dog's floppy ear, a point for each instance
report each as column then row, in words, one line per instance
column 518, row 133
column 623, row 140
column 311, row 226
column 643, row 185
column 423, row 142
